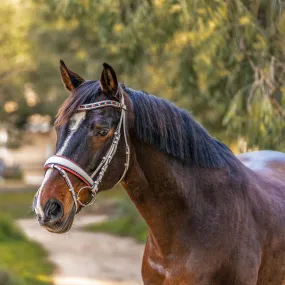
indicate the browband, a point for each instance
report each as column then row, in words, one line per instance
column 101, row 104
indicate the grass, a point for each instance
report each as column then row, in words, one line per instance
column 125, row 222
column 18, row 204
column 26, row 262
column 22, row 261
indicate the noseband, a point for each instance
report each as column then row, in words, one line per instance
column 64, row 164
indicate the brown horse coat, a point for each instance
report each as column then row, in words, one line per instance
column 213, row 218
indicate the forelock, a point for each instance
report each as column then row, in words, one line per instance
column 83, row 94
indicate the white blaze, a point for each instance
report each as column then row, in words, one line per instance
column 38, row 209
column 76, row 121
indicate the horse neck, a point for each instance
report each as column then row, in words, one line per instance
column 172, row 195
column 167, row 192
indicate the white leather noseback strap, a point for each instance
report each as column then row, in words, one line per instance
column 70, row 166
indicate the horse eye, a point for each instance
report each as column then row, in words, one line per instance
column 98, row 130
column 101, row 133
column 104, row 132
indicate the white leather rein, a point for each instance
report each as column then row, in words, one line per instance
column 64, row 164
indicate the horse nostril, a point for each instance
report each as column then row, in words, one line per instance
column 54, row 210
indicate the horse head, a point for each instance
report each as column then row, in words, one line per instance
column 92, row 152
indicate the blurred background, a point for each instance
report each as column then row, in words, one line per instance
column 224, row 61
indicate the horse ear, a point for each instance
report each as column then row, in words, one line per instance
column 108, row 81
column 70, row 79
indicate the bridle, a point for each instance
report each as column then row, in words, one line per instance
column 64, row 165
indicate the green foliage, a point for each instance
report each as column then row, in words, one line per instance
column 7, row 279
column 223, row 60
column 22, row 262
column 18, row 204
column 27, row 262
column 126, row 222
column 8, row 231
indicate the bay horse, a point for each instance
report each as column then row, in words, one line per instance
column 213, row 218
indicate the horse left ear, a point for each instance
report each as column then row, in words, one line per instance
column 109, row 82
column 70, row 79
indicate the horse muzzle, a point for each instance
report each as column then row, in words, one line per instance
column 52, row 217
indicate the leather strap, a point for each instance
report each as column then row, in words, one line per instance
column 71, row 167
column 101, row 104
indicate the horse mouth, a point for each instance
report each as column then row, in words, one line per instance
column 62, row 226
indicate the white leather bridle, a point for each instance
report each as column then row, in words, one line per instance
column 64, row 165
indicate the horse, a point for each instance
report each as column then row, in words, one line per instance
column 213, row 218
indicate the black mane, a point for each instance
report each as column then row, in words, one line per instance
column 173, row 131
column 160, row 123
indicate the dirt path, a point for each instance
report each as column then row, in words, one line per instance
column 89, row 258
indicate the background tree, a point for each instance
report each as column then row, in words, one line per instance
column 222, row 60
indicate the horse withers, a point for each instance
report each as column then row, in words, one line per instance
column 213, row 218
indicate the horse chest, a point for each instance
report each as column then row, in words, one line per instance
column 169, row 270
column 157, row 273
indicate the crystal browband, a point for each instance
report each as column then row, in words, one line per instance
column 101, row 104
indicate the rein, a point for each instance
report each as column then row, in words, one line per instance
column 64, row 165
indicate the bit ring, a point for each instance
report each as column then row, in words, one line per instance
column 92, row 199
